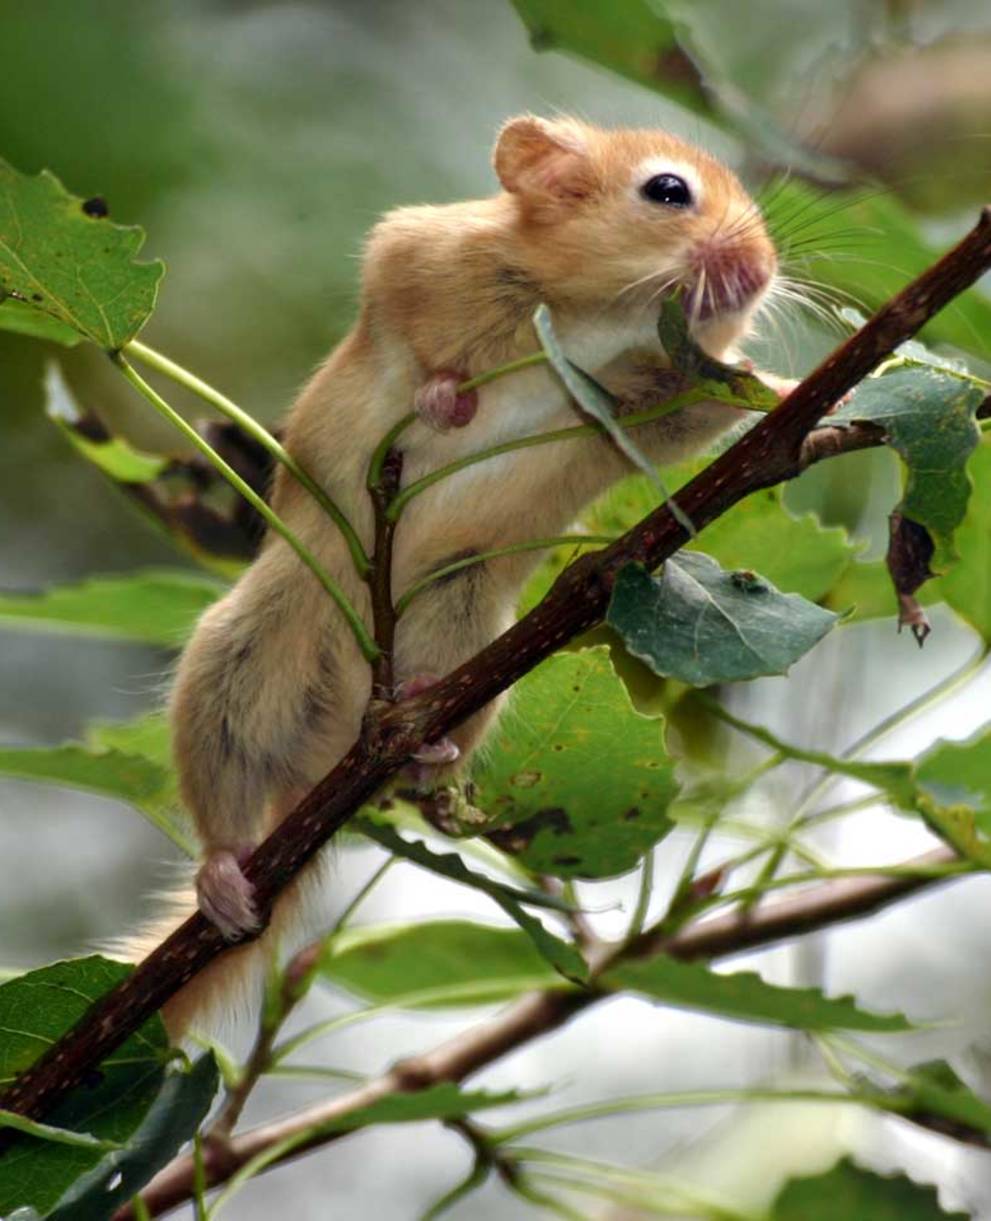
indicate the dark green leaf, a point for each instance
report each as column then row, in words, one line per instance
column 562, row 956
column 35, row 1009
column 702, row 625
column 152, row 606
column 745, row 996
column 967, row 586
column 578, row 783
column 850, row 1193
column 172, row 1119
column 59, row 257
column 481, row 962
column 928, row 416
column 796, row 553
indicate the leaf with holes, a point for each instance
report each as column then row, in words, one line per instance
column 35, row 1009
column 929, row 418
column 576, row 782
column 703, row 625
column 62, row 256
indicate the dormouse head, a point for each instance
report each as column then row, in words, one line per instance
column 619, row 219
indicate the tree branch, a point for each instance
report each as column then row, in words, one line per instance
column 768, row 453
column 540, row 1013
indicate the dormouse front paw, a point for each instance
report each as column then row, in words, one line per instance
column 224, row 894
column 438, row 403
column 441, row 751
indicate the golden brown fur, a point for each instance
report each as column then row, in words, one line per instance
column 271, row 688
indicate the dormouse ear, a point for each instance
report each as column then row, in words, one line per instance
column 543, row 161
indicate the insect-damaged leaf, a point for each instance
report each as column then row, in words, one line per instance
column 928, row 416
column 35, row 1009
column 703, row 625
column 61, row 256
column 577, row 782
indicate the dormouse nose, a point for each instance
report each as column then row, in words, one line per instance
column 729, row 273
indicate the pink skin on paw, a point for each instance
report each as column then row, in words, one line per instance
column 434, row 754
column 225, row 895
column 438, row 403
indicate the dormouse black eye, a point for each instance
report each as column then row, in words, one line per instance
column 667, row 189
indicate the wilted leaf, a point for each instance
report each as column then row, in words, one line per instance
column 577, row 783
column 35, row 1009
column 848, row 1192
column 386, row 962
column 562, row 956
column 151, row 606
column 172, row 1120
column 61, row 256
column 702, row 625
column 928, row 417
column 745, row 996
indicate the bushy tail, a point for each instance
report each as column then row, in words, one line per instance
column 231, row 986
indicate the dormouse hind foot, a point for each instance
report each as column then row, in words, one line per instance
column 441, row 751
column 438, row 403
column 224, row 894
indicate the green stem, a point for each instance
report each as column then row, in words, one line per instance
column 652, row 1102
column 361, row 896
column 368, row 646
column 634, row 420
column 490, row 375
column 162, row 364
column 537, row 544
column 646, row 889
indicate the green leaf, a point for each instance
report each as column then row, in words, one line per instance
column 151, row 606
column 934, row 1088
column 928, row 416
column 386, row 962
column 796, row 553
column 881, row 247
column 115, row 456
column 702, row 625
column 35, row 1009
column 562, row 956
column 20, row 318
column 127, row 761
column 967, row 586
column 745, row 996
column 578, row 784
column 598, row 403
column 59, row 257
column 172, row 1120
column 634, row 39
column 959, row 774
column 849, row 1192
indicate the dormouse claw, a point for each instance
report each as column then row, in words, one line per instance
column 438, row 403
column 225, row 895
